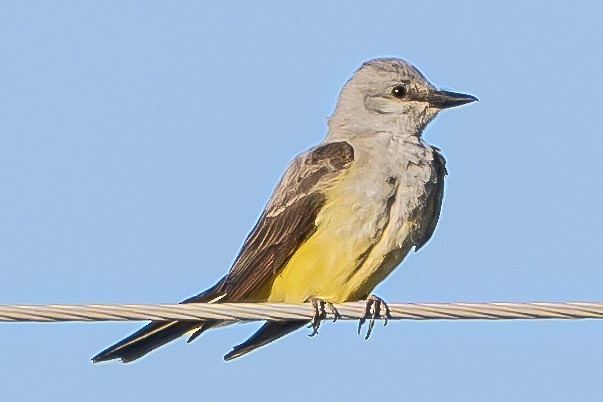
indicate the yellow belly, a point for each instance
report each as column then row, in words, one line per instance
column 326, row 265
column 312, row 272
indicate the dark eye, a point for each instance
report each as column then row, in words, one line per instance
column 399, row 91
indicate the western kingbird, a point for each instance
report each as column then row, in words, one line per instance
column 344, row 214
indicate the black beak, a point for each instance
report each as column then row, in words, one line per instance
column 444, row 99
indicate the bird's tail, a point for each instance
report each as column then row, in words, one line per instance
column 269, row 332
column 151, row 336
column 156, row 334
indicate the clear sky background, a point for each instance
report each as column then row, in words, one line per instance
column 139, row 142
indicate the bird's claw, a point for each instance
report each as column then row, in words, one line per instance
column 372, row 311
column 334, row 311
column 320, row 314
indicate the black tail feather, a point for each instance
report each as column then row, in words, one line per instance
column 269, row 332
column 151, row 336
column 156, row 334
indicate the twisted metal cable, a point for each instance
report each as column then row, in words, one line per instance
column 283, row 312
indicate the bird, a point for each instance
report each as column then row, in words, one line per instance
column 345, row 213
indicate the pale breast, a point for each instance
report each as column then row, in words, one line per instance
column 418, row 174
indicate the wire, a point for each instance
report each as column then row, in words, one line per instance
column 280, row 312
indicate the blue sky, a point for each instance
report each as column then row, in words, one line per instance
column 139, row 142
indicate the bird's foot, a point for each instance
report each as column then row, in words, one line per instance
column 320, row 314
column 334, row 311
column 373, row 310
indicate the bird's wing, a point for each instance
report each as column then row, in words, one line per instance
column 288, row 220
column 285, row 224
column 434, row 193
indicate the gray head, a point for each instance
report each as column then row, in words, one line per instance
column 389, row 94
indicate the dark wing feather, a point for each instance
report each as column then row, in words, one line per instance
column 433, row 202
column 270, row 245
column 288, row 220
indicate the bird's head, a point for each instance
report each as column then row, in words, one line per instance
column 388, row 93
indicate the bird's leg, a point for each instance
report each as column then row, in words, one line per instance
column 372, row 311
column 320, row 313
column 333, row 311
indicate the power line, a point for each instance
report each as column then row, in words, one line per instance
column 280, row 312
